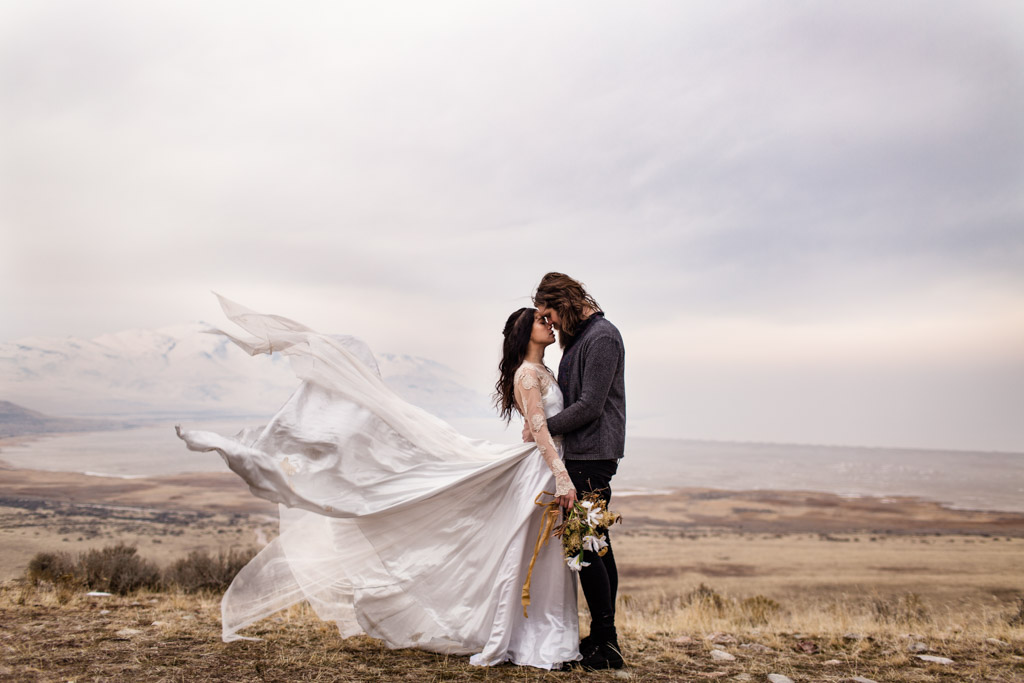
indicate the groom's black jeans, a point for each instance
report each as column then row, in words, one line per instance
column 600, row 580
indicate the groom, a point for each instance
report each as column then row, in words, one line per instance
column 594, row 428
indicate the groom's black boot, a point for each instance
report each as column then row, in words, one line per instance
column 588, row 644
column 601, row 651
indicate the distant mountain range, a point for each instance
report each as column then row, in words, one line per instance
column 17, row 420
column 183, row 372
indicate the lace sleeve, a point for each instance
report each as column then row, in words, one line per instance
column 531, row 405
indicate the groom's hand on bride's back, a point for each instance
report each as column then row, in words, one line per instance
column 527, row 434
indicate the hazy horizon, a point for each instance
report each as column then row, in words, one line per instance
column 269, row 383
column 966, row 480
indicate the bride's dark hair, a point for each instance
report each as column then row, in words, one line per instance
column 518, row 329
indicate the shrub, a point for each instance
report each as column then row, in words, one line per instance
column 201, row 571
column 114, row 569
column 904, row 609
column 705, row 597
column 1018, row 618
column 758, row 609
column 57, row 568
column 118, row 569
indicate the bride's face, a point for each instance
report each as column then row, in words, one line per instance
column 542, row 332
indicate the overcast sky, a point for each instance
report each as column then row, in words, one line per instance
column 807, row 219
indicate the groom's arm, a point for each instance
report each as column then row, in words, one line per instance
column 599, row 364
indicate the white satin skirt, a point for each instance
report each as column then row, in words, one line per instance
column 392, row 523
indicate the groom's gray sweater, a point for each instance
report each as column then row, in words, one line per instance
column 591, row 376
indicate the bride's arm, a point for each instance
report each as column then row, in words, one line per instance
column 530, row 404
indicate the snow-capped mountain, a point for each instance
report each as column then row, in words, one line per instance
column 16, row 420
column 432, row 386
column 182, row 371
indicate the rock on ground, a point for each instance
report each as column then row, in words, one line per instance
column 757, row 647
column 935, row 660
column 779, row 678
column 722, row 656
column 808, row 647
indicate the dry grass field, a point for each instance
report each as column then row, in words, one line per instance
column 810, row 586
column 174, row 637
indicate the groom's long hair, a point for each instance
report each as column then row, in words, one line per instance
column 518, row 329
column 569, row 298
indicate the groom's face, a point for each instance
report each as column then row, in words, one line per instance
column 551, row 315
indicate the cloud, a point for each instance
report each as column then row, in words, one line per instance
column 407, row 172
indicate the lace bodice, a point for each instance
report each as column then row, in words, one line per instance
column 538, row 398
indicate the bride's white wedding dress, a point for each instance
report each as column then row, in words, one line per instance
column 392, row 523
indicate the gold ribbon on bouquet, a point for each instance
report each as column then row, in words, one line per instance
column 547, row 527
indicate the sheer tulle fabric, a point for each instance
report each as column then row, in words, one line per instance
column 392, row 523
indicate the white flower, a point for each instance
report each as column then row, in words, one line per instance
column 576, row 562
column 594, row 543
column 592, row 514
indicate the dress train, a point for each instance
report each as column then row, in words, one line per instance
column 392, row 523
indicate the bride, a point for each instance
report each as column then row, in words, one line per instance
column 392, row 523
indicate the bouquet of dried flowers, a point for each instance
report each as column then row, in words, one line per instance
column 580, row 529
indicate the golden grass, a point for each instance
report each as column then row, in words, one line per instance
column 669, row 623
column 175, row 637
